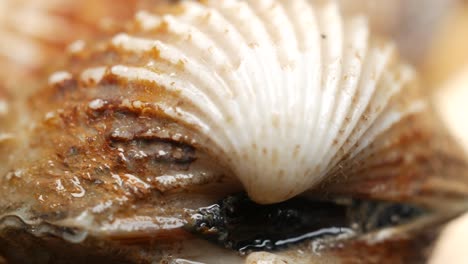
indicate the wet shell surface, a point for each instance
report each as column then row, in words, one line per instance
column 137, row 135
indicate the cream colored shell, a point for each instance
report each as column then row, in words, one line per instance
column 282, row 90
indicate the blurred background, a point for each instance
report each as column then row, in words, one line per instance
column 432, row 35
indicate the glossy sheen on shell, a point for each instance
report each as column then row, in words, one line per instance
column 281, row 90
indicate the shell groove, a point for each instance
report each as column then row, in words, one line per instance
column 285, row 95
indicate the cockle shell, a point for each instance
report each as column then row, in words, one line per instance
column 282, row 92
column 168, row 116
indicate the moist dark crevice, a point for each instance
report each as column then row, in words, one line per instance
column 238, row 223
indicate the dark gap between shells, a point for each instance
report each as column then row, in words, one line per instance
column 238, row 223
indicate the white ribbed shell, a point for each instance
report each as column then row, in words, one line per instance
column 283, row 90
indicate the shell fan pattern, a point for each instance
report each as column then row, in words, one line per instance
column 285, row 94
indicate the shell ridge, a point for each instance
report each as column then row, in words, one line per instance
column 390, row 115
column 241, row 92
column 149, row 74
column 251, row 28
column 202, row 46
column 356, row 49
column 387, row 117
column 295, row 59
column 279, row 28
column 387, row 93
column 137, row 73
column 369, row 81
column 147, row 21
column 312, row 70
column 283, row 39
column 356, row 164
column 332, row 28
column 267, row 51
column 248, row 24
column 178, row 27
column 302, row 17
column 225, row 34
column 200, row 77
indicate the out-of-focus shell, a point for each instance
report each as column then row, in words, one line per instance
column 405, row 21
column 448, row 53
column 34, row 34
column 450, row 99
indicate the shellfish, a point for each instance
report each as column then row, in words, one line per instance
column 124, row 150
